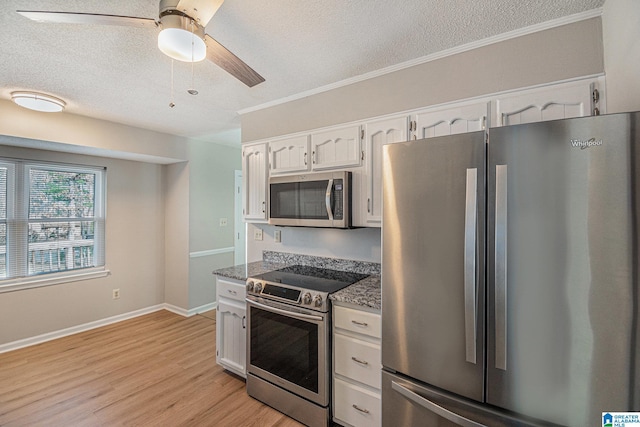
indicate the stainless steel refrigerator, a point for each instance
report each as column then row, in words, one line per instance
column 510, row 275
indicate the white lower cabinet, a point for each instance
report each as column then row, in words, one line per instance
column 356, row 367
column 231, row 318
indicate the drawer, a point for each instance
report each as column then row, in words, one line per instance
column 358, row 360
column 362, row 322
column 356, row 406
column 231, row 289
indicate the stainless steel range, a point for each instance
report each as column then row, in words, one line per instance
column 289, row 339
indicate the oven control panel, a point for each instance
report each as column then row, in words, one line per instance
column 291, row 295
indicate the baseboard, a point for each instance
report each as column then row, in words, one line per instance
column 38, row 339
column 188, row 313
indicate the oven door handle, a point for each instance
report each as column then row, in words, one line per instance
column 285, row 312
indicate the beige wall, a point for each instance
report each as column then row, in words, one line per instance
column 176, row 228
column 152, row 204
column 134, row 255
column 621, row 37
column 556, row 54
column 83, row 135
column 211, row 197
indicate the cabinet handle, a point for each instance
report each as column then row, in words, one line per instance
column 357, row 408
column 313, row 157
column 244, row 326
column 362, row 362
column 232, row 292
column 355, row 322
column 263, row 207
column 305, row 159
column 369, row 205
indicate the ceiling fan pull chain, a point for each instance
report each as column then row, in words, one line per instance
column 171, row 104
column 192, row 91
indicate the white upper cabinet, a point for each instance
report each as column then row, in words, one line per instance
column 336, row 148
column 377, row 134
column 451, row 120
column 560, row 101
column 289, row 155
column 254, row 175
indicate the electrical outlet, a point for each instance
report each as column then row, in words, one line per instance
column 223, row 222
column 277, row 236
column 257, row 234
column 116, row 294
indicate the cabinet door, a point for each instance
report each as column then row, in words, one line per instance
column 289, row 155
column 231, row 339
column 336, row 148
column 377, row 134
column 254, row 175
column 451, row 120
column 562, row 101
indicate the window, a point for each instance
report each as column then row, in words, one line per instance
column 52, row 221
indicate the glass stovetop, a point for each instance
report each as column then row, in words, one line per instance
column 312, row 278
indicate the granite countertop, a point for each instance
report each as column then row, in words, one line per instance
column 365, row 293
column 242, row 271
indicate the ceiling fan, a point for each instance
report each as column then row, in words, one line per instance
column 182, row 35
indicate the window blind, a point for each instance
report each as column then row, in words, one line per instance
column 53, row 217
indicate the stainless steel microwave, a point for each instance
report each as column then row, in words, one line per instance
column 311, row 200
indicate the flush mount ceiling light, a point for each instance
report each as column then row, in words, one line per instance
column 38, row 101
column 181, row 37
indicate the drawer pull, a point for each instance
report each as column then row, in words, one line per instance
column 232, row 292
column 355, row 322
column 357, row 408
column 362, row 362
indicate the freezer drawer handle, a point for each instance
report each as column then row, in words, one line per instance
column 433, row 407
column 362, row 362
column 355, row 322
column 501, row 268
column 357, row 408
column 470, row 233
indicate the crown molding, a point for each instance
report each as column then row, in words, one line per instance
column 554, row 23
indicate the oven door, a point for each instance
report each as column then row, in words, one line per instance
column 289, row 347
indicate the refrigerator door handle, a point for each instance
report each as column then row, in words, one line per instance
column 433, row 407
column 501, row 268
column 470, row 233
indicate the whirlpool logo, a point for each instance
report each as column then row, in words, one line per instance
column 585, row 143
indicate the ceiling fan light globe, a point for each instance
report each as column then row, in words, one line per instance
column 181, row 45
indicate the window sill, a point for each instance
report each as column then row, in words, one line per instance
column 22, row 283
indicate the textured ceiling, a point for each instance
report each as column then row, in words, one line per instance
column 118, row 74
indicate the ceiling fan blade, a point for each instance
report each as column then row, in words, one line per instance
column 201, row 10
column 222, row 57
column 88, row 18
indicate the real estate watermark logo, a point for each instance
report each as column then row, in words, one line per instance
column 621, row 419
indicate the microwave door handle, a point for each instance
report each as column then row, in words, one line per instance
column 327, row 199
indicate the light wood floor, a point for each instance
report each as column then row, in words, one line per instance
column 154, row 370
